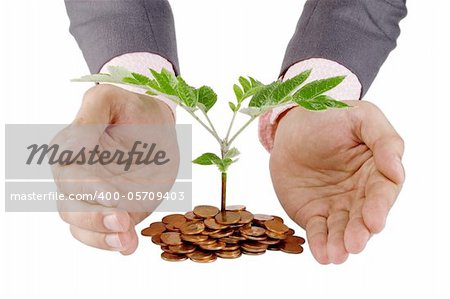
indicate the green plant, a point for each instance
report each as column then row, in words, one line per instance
column 261, row 98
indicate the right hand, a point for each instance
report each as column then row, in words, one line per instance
column 111, row 225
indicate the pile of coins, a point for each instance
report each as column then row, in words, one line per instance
column 206, row 233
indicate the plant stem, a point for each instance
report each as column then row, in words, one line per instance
column 203, row 124
column 241, row 129
column 210, row 123
column 231, row 125
column 224, row 192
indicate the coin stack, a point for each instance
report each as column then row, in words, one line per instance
column 206, row 233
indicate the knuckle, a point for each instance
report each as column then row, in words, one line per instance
column 100, row 94
column 94, row 220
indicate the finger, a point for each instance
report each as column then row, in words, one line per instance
column 381, row 194
column 75, row 181
column 108, row 241
column 317, row 232
column 133, row 241
column 356, row 233
column 387, row 146
column 98, row 105
column 337, row 222
column 93, row 217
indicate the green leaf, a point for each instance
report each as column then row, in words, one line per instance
column 96, row 78
column 207, row 159
column 315, row 88
column 264, row 96
column 224, row 164
column 321, row 102
column 151, row 93
column 186, row 93
column 254, row 82
column 251, row 111
column 171, row 78
column 233, row 152
column 246, row 85
column 238, row 92
column 288, row 86
column 143, row 80
column 207, row 97
column 130, row 80
column 232, row 106
column 118, row 72
column 166, row 85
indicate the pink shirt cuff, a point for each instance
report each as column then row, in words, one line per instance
column 140, row 62
column 349, row 89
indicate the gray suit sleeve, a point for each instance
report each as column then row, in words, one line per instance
column 358, row 34
column 106, row 29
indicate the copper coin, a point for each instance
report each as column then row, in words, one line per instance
column 254, row 247
column 231, row 246
column 194, row 238
column 210, row 259
column 171, row 228
column 222, row 234
column 229, row 240
column 235, row 208
column 157, row 239
column 154, row 229
column 208, row 231
column 290, row 247
column 205, row 211
column 170, row 219
column 254, row 231
column 290, row 232
column 178, row 224
column 228, row 217
column 170, row 257
column 278, row 218
column 166, row 248
column 270, row 241
column 212, row 224
column 253, row 253
column 238, row 225
column 273, row 235
column 192, row 227
column 246, row 217
column 229, row 254
column 262, row 217
column 273, row 248
column 214, row 246
column 171, row 238
column 237, row 238
column 276, row 226
column 206, row 242
column 191, row 216
column 260, row 238
column 201, row 256
column 182, row 249
column 295, row 239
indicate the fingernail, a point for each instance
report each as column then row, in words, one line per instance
column 113, row 241
column 112, row 223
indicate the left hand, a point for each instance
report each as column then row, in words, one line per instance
column 337, row 173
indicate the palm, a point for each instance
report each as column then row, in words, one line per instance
column 326, row 178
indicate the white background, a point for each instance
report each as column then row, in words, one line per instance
column 217, row 41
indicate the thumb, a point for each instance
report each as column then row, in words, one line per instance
column 385, row 143
column 97, row 105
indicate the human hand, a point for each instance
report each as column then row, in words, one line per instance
column 114, row 118
column 337, row 173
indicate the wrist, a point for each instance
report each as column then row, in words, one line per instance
column 349, row 89
column 140, row 62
